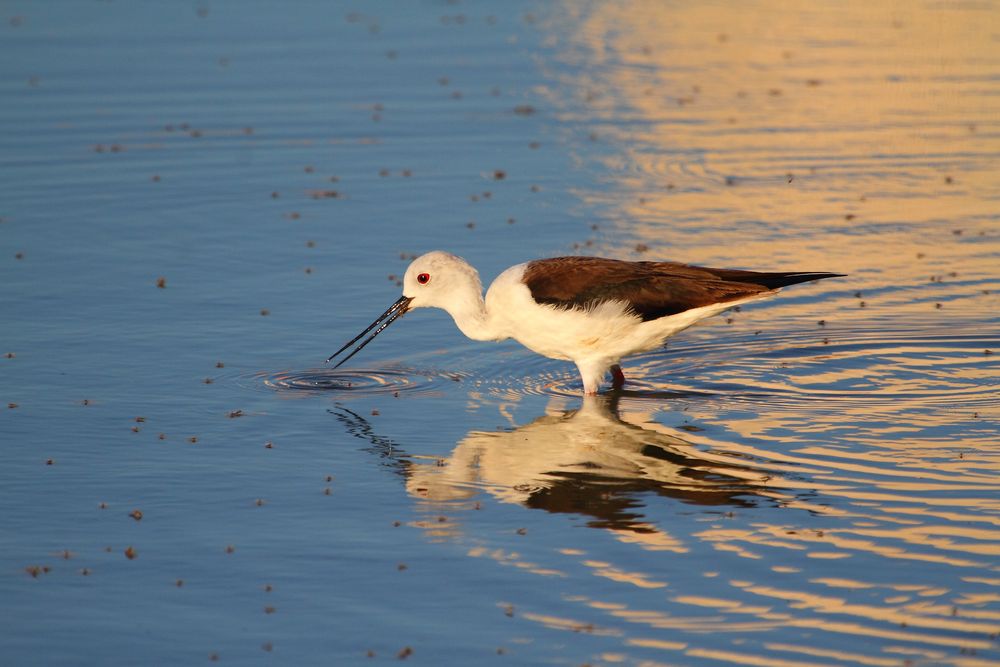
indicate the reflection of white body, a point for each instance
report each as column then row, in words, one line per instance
column 588, row 310
column 592, row 450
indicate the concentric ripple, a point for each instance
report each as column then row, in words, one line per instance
column 881, row 370
column 367, row 382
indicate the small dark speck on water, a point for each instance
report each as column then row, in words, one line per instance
column 209, row 380
column 822, row 323
column 265, row 312
column 161, row 282
column 404, row 653
column 130, row 552
column 230, row 549
column 269, row 445
column 136, row 514
column 325, row 194
column 235, row 413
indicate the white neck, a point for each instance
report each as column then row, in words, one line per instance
column 471, row 317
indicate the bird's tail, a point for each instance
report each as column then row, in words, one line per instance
column 772, row 280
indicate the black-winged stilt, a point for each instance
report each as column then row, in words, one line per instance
column 588, row 310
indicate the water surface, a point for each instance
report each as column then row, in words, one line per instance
column 201, row 201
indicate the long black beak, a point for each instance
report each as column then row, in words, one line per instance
column 401, row 305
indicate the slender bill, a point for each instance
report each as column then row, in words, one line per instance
column 401, row 305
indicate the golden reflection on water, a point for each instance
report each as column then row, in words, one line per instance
column 843, row 456
column 851, row 136
column 604, row 460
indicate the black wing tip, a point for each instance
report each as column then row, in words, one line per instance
column 785, row 279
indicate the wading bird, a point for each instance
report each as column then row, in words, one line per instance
column 588, row 310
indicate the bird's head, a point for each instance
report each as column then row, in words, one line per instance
column 440, row 279
column 437, row 279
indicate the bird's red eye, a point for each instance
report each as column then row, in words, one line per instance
column 423, row 278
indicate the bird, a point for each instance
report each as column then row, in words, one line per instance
column 592, row 311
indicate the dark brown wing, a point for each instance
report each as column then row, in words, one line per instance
column 651, row 289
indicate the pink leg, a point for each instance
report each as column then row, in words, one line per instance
column 617, row 377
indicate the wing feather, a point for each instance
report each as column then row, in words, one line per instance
column 650, row 289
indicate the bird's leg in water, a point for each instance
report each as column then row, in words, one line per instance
column 617, row 377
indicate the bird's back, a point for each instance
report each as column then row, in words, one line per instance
column 651, row 289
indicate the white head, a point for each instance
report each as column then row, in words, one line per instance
column 437, row 279
column 442, row 280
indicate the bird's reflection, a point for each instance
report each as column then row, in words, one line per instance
column 588, row 461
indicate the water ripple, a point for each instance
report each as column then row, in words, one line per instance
column 357, row 381
column 794, row 371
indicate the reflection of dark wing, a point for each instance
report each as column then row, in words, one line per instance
column 652, row 289
column 615, row 502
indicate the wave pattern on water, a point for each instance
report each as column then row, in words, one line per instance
column 344, row 383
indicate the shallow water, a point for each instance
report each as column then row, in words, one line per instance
column 813, row 480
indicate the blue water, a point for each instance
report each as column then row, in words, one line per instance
column 200, row 201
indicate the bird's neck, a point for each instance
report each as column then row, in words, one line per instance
column 472, row 317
